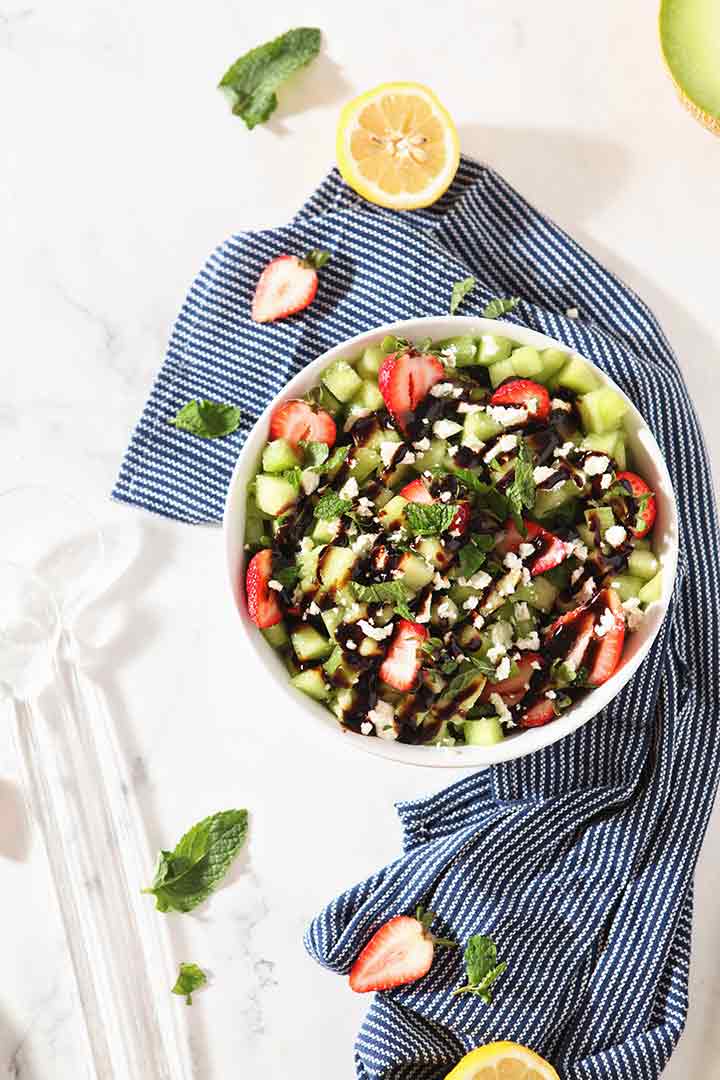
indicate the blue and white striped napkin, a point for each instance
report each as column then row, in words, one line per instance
column 577, row 860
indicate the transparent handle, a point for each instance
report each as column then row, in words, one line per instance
column 83, row 802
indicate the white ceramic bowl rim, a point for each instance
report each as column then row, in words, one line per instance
column 648, row 460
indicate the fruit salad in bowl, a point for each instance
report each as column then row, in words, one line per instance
column 452, row 541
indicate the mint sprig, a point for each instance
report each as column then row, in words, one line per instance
column 481, row 964
column 459, row 291
column 330, row 506
column 190, row 978
column 250, row 83
column 207, row 419
column 500, row 306
column 430, row 519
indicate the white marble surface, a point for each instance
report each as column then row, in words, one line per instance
column 121, row 169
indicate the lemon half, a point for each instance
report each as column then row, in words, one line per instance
column 397, row 146
column 502, row 1061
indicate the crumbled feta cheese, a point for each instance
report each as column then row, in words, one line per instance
column 606, row 623
column 312, row 608
column 521, row 612
column 536, row 665
column 387, row 452
column 446, row 609
column 501, row 708
column 633, row 615
column 471, row 603
column 469, row 407
column 558, row 403
column 276, row 585
column 532, row 641
column 572, row 313
column 478, row 622
column 442, row 389
column 397, row 536
column 605, row 481
column 502, row 671
column 579, row 550
column 564, row 450
column 423, row 615
column 615, row 535
column 479, row 580
column 449, row 356
column 383, row 717
column 306, row 545
column 512, row 561
column 363, row 544
column 507, row 415
column 422, row 444
column 496, row 652
column 587, row 591
column 445, row 496
column 501, row 633
column 409, row 458
column 444, row 429
column 439, row 582
column 309, row 481
column 550, row 694
column 350, row 644
column 532, row 405
column 504, row 443
column 576, row 575
column 452, row 450
column 595, row 464
column 526, row 550
column 365, row 507
column 349, row 489
column 525, row 576
column 457, row 391
column 377, row 633
column 366, row 727
column 542, row 473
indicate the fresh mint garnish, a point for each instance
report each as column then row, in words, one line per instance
column 315, row 452
column 335, row 460
column 521, row 492
column 190, row 979
column 499, row 306
column 472, row 556
column 431, row 519
column 207, row 419
column 330, row 506
column 481, row 964
column 251, row 82
column 404, row 612
column 293, row 476
column 459, row 291
column 186, row 876
column 288, row 576
column 383, row 592
column 488, row 496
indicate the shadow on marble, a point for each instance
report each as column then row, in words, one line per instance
column 317, row 86
column 14, row 824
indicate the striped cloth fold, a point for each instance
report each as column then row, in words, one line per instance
column 577, row 860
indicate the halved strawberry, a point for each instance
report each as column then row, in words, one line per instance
column 295, row 420
column 542, row 712
column 416, row 491
column 263, row 606
column 523, row 394
column 405, row 379
column 609, row 647
column 515, row 688
column 576, row 628
column 287, row 285
column 551, row 550
column 400, row 952
column 648, row 511
column 404, row 658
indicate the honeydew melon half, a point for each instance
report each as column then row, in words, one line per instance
column 690, row 36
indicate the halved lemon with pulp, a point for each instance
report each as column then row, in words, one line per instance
column 397, row 146
column 502, row 1061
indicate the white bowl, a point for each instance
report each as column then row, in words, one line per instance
column 647, row 459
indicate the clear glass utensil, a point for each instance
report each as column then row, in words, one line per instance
column 76, row 783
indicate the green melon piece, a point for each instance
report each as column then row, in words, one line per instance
column 369, row 363
column 486, row 731
column 417, row 573
column 577, row 375
column 312, row 682
column 464, row 348
column 368, row 396
column 309, row 644
column 276, row 635
column 643, row 564
column 602, row 410
column 433, row 457
column 491, row 349
column 500, row 371
column 335, row 565
column 627, row 585
column 690, row 36
column 274, row 495
column 279, row 455
column 552, row 361
column 526, row 362
column 478, row 428
column 652, row 590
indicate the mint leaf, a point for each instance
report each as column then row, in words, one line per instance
column 316, row 452
column 383, row 592
column 473, row 554
column 190, row 979
column 459, row 291
column 483, row 665
column 288, row 576
column 482, row 967
column 521, row 492
column 316, row 258
column 293, row 476
column 488, row 495
column 431, row 519
column 330, row 506
column 498, row 307
column 251, row 82
column 207, row 419
column 404, row 612
column 335, row 460
column 186, row 876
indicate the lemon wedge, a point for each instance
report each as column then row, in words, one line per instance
column 502, row 1061
column 397, row 146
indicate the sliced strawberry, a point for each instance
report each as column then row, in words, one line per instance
column 515, row 688
column 550, row 549
column 405, row 379
column 404, row 658
column 287, row 285
column 295, row 420
column 263, row 606
column 607, row 648
column 400, row 952
column 542, row 712
column 462, row 518
column 648, row 512
column 416, row 491
column 523, row 394
column 571, row 635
